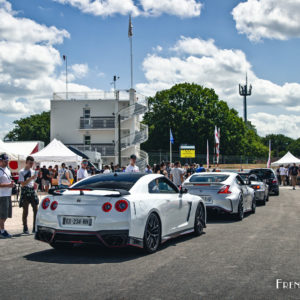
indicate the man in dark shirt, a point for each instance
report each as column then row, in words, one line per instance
column 294, row 172
column 45, row 179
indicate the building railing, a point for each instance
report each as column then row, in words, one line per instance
column 97, row 123
column 136, row 138
column 98, row 95
column 105, row 150
column 138, row 108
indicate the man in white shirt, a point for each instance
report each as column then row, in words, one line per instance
column 177, row 174
column 6, row 185
column 282, row 172
column 132, row 167
column 82, row 172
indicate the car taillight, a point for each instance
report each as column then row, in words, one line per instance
column 106, row 207
column 274, row 181
column 54, row 205
column 121, row 205
column 45, row 203
column 256, row 187
column 224, row 190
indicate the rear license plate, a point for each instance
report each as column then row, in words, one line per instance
column 207, row 199
column 77, row 221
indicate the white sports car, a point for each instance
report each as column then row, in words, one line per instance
column 119, row 209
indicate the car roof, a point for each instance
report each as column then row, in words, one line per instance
column 215, row 173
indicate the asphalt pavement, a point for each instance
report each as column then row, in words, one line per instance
column 232, row 260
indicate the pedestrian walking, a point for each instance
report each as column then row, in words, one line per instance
column 27, row 177
column 200, row 169
column 64, row 176
column 282, row 172
column 293, row 172
column 132, row 167
column 6, row 185
column 106, row 170
column 177, row 174
column 148, row 169
column 82, row 172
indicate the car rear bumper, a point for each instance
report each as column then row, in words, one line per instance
column 220, row 205
column 105, row 238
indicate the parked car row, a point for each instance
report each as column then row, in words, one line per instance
column 142, row 210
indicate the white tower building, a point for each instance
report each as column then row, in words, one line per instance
column 88, row 121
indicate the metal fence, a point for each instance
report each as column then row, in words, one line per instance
column 159, row 156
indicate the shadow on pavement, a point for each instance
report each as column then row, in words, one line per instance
column 222, row 218
column 99, row 255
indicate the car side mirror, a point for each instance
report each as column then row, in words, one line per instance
column 183, row 190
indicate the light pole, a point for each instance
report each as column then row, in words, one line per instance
column 245, row 91
column 66, row 60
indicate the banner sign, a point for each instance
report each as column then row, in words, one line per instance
column 187, row 151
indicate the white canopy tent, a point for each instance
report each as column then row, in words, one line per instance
column 56, row 153
column 5, row 149
column 288, row 159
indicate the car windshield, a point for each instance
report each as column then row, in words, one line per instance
column 123, row 181
column 209, row 178
column 263, row 173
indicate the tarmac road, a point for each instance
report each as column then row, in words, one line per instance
column 232, row 260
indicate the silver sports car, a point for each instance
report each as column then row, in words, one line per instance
column 224, row 191
column 261, row 189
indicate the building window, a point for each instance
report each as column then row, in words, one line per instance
column 87, row 139
column 86, row 113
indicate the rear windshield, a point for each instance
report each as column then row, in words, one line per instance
column 263, row 173
column 124, row 181
column 209, row 178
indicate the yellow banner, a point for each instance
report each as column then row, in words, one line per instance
column 187, row 153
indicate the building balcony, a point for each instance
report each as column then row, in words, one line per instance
column 97, row 123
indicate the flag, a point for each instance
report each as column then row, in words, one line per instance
column 207, row 155
column 269, row 159
column 130, row 34
column 171, row 137
column 217, row 142
column 64, row 57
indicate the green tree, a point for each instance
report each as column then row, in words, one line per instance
column 33, row 128
column 295, row 147
column 280, row 143
column 192, row 112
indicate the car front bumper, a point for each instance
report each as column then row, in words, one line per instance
column 106, row 238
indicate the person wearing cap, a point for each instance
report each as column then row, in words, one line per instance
column 27, row 177
column 82, row 172
column 132, row 167
column 6, row 185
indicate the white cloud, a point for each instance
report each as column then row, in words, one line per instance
column 28, row 64
column 277, row 124
column 195, row 46
column 273, row 19
column 202, row 62
column 181, row 8
column 103, row 7
column 80, row 70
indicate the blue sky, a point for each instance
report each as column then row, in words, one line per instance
column 170, row 46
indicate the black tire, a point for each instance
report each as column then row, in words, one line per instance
column 199, row 220
column 152, row 235
column 62, row 246
column 253, row 206
column 239, row 216
column 263, row 202
column 267, row 199
column 276, row 193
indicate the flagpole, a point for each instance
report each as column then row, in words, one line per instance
column 66, row 60
column 130, row 34
column 170, row 151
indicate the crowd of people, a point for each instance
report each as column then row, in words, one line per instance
column 287, row 175
column 31, row 180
